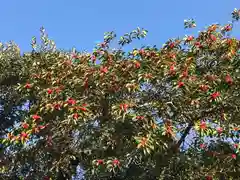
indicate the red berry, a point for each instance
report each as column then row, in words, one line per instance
column 75, row 116
column 234, row 156
column 57, row 106
column 24, row 135
column 116, row 162
column 202, row 146
column 171, row 45
column 235, row 146
column 180, row 84
column 219, row 130
column 215, row 95
column 28, row 86
column 71, row 101
column 83, row 108
column 203, row 125
column 172, row 70
column 198, row 44
column 100, row 161
column 124, row 107
column 190, row 38
column 36, row 117
column 140, row 117
column 49, row 91
column 228, row 79
column 41, row 127
column 213, row 38
column 25, row 125
column 137, row 64
column 104, row 69
column 204, row 88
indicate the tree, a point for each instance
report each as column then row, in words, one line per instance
column 120, row 118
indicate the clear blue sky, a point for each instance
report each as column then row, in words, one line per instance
column 81, row 23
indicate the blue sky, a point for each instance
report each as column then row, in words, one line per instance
column 82, row 23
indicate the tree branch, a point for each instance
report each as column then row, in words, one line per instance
column 186, row 132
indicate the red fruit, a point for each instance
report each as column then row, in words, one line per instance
column 116, row 162
column 213, row 38
column 49, row 91
column 204, row 88
column 57, row 106
column 41, row 127
column 228, row 79
column 202, row 146
column 124, row 107
column 215, row 95
column 171, row 45
column 190, row 38
column 24, row 135
column 203, row 125
column 198, row 44
column 71, row 101
column 25, row 125
column 36, row 117
column 104, row 69
column 172, row 70
column 75, row 116
column 234, row 156
column 137, row 64
column 235, row 146
column 28, row 86
column 100, row 161
column 180, row 84
column 219, row 130
column 140, row 117
column 83, row 108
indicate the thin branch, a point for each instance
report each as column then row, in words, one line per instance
column 186, row 132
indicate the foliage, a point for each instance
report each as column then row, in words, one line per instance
column 120, row 118
column 10, row 100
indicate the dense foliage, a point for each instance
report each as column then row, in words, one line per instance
column 126, row 115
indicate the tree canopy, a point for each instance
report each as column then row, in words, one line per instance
column 126, row 115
